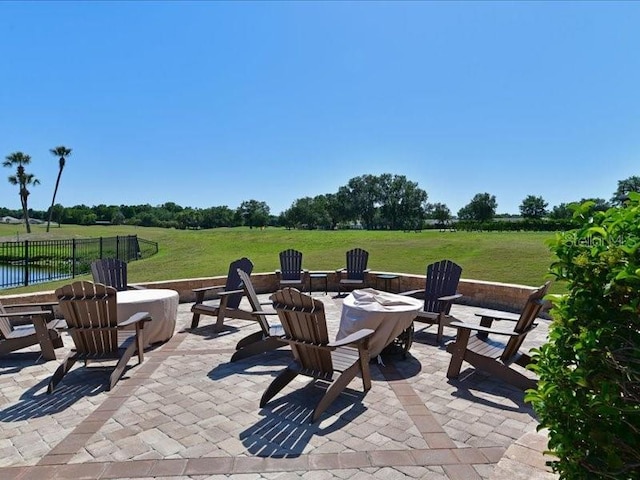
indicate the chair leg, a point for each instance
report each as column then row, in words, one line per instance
column 222, row 311
column 265, row 345
column 56, row 340
column 195, row 320
column 122, row 363
column 44, row 339
column 140, row 342
column 281, row 381
column 60, row 372
column 363, row 351
column 334, row 390
column 457, row 351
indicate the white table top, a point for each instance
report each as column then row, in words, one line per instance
column 146, row 295
column 371, row 300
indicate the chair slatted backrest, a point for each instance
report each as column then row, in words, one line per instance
column 290, row 264
column 303, row 320
column 5, row 324
column 111, row 272
column 234, row 282
column 251, row 294
column 90, row 311
column 357, row 259
column 442, row 280
column 529, row 313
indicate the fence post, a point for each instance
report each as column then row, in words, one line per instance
column 118, row 247
column 73, row 258
column 100, row 248
column 133, row 251
column 26, row 263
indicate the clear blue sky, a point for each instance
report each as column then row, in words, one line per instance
column 212, row 103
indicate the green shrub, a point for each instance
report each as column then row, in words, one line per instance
column 588, row 393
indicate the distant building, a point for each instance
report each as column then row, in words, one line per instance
column 17, row 221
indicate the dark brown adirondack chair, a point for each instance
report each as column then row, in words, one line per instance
column 441, row 284
column 291, row 273
column 113, row 273
column 91, row 313
column 304, row 323
column 228, row 299
column 270, row 335
column 355, row 273
column 29, row 324
column 485, row 352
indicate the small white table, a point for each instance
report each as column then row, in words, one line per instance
column 388, row 314
column 161, row 303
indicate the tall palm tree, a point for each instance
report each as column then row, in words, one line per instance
column 62, row 152
column 22, row 179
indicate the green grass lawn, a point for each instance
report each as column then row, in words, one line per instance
column 510, row 257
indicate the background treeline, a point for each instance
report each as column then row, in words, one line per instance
column 383, row 202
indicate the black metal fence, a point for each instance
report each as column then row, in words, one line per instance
column 37, row 261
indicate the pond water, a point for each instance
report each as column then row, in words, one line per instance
column 13, row 275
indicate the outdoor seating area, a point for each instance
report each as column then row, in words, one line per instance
column 224, row 399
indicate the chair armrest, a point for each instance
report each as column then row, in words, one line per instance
column 206, row 289
column 340, row 270
column 135, row 318
column 355, row 337
column 229, row 292
column 413, row 293
column 39, row 304
column 136, row 287
column 450, row 298
column 480, row 328
column 499, row 318
column 31, row 313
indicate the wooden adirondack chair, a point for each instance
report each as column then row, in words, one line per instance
column 291, row 273
column 440, row 291
column 113, row 273
column 484, row 352
column 228, row 299
column 92, row 320
column 355, row 273
column 304, row 323
column 32, row 324
column 270, row 335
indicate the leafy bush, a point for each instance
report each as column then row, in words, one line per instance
column 588, row 394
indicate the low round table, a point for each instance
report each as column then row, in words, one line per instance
column 320, row 276
column 387, row 277
column 388, row 314
column 161, row 303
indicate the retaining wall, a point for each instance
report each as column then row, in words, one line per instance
column 494, row 295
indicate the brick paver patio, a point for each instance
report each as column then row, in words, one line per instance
column 187, row 412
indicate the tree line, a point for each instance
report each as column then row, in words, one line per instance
column 372, row 202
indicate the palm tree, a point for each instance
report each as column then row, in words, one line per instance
column 60, row 151
column 22, row 179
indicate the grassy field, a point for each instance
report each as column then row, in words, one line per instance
column 511, row 257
